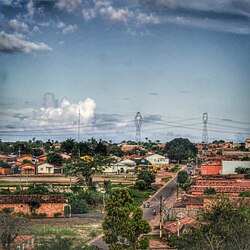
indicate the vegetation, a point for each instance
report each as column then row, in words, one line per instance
column 180, row 149
column 223, row 225
column 147, row 177
column 209, row 191
column 11, row 226
column 182, row 176
column 122, row 231
column 175, row 169
column 55, row 159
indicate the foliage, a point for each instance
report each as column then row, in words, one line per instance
column 175, row 168
column 33, row 205
column 78, row 204
column 45, row 230
column 245, row 194
column 209, row 191
column 182, row 176
column 84, row 169
column 38, row 189
column 242, row 170
column 56, row 243
column 115, row 150
column 223, row 225
column 10, row 227
column 67, row 146
column 146, row 176
column 180, row 149
column 141, row 185
column 55, row 159
column 4, row 164
column 107, row 186
column 120, row 230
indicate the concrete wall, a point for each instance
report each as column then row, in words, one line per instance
column 228, row 167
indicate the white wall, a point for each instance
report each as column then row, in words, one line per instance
column 44, row 169
column 228, row 167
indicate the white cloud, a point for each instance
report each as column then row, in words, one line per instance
column 70, row 29
column 61, row 42
column 65, row 111
column 36, row 29
column 60, row 25
column 18, row 26
column 30, row 8
column 143, row 18
column 114, row 14
column 69, row 5
column 13, row 43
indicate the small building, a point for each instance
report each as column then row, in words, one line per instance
column 120, row 167
column 49, row 205
column 25, row 157
column 42, row 158
column 158, row 160
column 27, row 169
column 228, row 167
column 45, row 168
column 179, row 226
column 211, row 169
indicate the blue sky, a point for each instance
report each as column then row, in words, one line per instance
column 171, row 60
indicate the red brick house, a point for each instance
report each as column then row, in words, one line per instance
column 211, row 169
column 49, row 204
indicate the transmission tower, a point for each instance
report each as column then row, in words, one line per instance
column 138, row 122
column 204, row 132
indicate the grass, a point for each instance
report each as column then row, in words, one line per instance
column 166, row 179
column 46, row 230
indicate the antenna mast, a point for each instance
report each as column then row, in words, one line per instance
column 138, row 122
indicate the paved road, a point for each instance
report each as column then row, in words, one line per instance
column 168, row 192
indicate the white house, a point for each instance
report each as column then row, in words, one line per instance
column 45, row 168
column 120, row 167
column 158, row 160
column 228, row 167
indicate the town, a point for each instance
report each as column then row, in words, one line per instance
column 66, row 192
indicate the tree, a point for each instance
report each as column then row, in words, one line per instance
column 242, row 170
column 84, row 169
column 67, row 146
column 115, row 150
column 11, row 226
column 146, row 176
column 182, row 176
column 123, row 224
column 209, row 191
column 55, row 159
column 180, row 149
column 222, row 225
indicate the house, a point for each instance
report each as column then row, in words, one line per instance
column 25, row 157
column 158, row 160
column 46, row 204
column 211, row 169
column 228, row 167
column 27, row 169
column 180, row 226
column 45, row 168
column 5, row 171
column 126, row 148
column 42, row 158
column 120, row 167
column 188, row 206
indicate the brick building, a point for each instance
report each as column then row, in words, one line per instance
column 36, row 203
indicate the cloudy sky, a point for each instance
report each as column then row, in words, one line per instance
column 172, row 60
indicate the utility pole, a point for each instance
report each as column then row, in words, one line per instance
column 79, row 124
column 161, row 205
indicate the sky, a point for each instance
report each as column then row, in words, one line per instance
column 170, row 60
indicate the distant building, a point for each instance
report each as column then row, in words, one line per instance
column 45, row 168
column 120, row 167
column 228, row 167
column 27, row 169
column 158, row 160
column 211, row 169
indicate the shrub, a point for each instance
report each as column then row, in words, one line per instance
column 76, row 188
column 140, row 185
column 38, row 216
column 67, row 211
column 57, row 215
column 209, row 191
column 8, row 210
column 148, row 177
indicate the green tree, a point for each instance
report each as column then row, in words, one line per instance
column 84, row 169
column 123, row 224
column 55, row 159
column 223, row 225
column 67, row 146
column 146, row 176
column 182, row 176
column 180, row 149
column 242, row 170
column 115, row 150
column 209, row 191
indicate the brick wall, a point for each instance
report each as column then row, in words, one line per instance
column 220, row 189
column 48, row 208
column 183, row 212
